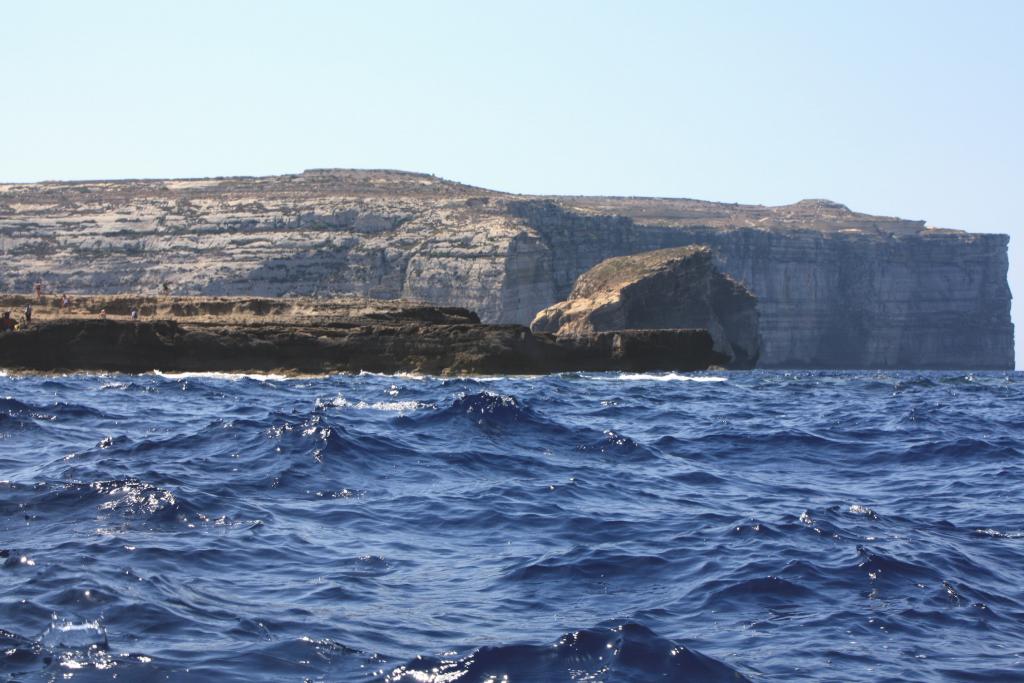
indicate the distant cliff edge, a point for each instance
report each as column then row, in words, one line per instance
column 835, row 288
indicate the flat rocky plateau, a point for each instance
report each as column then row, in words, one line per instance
column 316, row 336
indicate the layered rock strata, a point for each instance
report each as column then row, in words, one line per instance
column 260, row 335
column 835, row 288
column 669, row 288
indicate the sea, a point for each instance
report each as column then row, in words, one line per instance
column 722, row 526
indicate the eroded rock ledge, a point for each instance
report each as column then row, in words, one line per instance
column 667, row 288
column 310, row 336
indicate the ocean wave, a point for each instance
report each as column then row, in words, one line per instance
column 959, row 450
column 11, row 404
column 486, row 409
column 67, row 634
column 857, row 509
column 666, row 377
column 127, row 499
column 761, row 590
column 613, row 442
column 995, row 533
column 414, row 376
column 878, row 565
column 489, row 404
column 793, row 526
column 226, row 376
column 587, row 563
column 623, row 652
column 67, row 650
column 384, row 406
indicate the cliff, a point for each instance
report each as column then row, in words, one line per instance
column 313, row 336
column 835, row 288
column 665, row 289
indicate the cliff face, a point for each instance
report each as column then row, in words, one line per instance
column 834, row 299
column 663, row 289
column 835, row 288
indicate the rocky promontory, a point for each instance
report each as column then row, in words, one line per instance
column 835, row 288
column 312, row 336
column 676, row 288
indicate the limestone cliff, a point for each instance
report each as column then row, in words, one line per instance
column 835, row 288
column 663, row 289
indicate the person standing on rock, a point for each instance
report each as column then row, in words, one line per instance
column 28, row 314
column 135, row 313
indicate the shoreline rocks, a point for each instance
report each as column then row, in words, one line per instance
column 394, row 337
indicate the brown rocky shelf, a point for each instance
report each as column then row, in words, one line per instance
column 309, row 336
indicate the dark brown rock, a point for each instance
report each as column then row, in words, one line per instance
column 327, row 346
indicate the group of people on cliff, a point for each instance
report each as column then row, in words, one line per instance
column 8, row 323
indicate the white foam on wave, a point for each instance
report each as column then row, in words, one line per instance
column 857, row 509
column 64, row 633
column 451, row 378
column 668, row 377
column 399, row 375
column 273, row 377
column 468, row 378
column 393, row 406
column 995, row 533
column 230, row 376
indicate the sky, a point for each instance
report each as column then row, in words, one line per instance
column 913, row 109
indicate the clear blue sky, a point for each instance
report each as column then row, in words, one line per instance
column 899, row 108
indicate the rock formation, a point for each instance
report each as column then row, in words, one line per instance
column 313, row 336
column 835, row 288
column 663, row 289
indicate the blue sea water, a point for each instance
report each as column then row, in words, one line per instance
column 759, row 526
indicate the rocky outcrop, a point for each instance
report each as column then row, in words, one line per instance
column 835, row 288
column 830, row 299
column 663, row 289
column 261, row 335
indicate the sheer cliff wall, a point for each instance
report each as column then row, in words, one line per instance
column 835, row 288
column 848, row 299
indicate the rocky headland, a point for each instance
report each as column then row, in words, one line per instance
column 835, row 288
column 677, row 288
column 315, row 336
